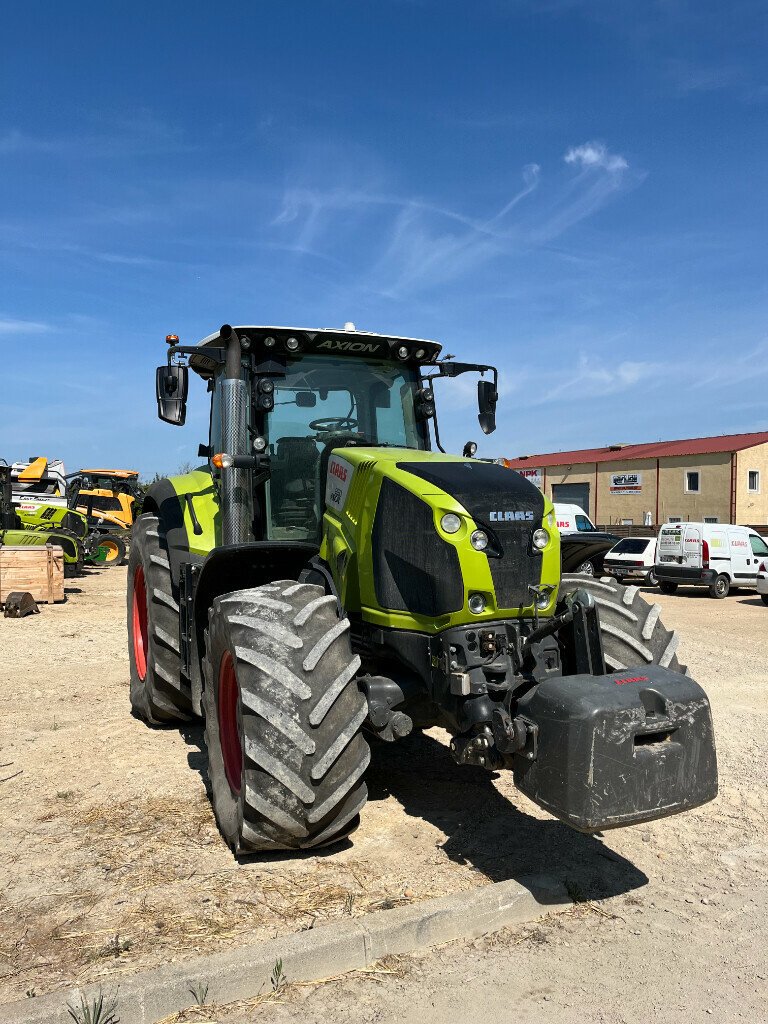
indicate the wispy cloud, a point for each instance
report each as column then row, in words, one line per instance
column 426, row 244
column 9, row 325
column 592, row 155
column 140, row 134
column 592, row 377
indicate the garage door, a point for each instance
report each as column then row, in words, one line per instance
column 572, row 494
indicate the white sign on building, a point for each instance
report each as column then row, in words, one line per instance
column 533, row 475
column 626, row 483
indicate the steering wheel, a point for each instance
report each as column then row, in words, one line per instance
column 333, row 423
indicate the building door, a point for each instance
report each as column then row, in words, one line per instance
column 572, row 494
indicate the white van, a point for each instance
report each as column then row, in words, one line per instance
column 713, row 555
column 573, row 519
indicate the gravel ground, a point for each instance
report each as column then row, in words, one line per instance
column 110, row 860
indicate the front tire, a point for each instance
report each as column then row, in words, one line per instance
column 157, row 691
column 283, row 719
column 667, row 588
column 586, row 569
column 764, row 598
column 632, row 632
column 720, row 587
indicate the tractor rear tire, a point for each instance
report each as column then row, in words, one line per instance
column 632, row 632
column 283, row 719
column 157, row 693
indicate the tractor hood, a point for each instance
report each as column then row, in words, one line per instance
column 392, row 504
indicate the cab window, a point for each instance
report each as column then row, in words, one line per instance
column 759, row 547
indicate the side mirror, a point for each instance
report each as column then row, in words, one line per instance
column 487, row 397
column 171, row 385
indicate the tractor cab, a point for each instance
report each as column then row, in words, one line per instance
column 306, row 393
column 106, row 496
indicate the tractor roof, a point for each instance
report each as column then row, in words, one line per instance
column 347, row 342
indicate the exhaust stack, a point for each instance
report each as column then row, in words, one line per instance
column 236, row 490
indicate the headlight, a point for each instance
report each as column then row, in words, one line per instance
column 540, row 539
column 476, row 604
column 450, row 522
column 479, row 540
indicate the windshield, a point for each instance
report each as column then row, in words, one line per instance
column 323, row 403
column 631, row 546
column 583, row 524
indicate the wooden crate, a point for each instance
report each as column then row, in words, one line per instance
column 38, row 570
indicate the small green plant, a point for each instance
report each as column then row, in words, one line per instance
column 200, row 992
column 278, row 979
column 99, row 1009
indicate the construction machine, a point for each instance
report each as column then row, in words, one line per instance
column 43, row 499
column 107, row 496
column 15, row 531
column 330, row 577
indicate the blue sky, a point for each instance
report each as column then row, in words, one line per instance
column 574, row 190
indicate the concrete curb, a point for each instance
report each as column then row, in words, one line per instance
column 331, row 949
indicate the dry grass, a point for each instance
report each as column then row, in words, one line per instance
column 391, row 966
column 145, row 893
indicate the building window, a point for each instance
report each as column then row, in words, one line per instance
column 711, row 519
column 753, row 484
column 692, row 481
column 674, row 519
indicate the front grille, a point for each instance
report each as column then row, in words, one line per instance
column 414, row 569
column 489, row 492
column 518, row 569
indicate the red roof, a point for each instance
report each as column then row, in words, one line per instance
column 651, row 450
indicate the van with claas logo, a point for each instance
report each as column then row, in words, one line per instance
column 713, row 555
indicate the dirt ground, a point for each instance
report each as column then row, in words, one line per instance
column 110, row 860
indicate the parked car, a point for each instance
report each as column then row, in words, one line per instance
column 762, row 581
column 632, row 557
column 582, row 546
column 713, row 555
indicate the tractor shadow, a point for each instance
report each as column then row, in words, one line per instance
column 485, row 830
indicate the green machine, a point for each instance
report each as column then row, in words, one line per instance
column 328, row 580
column 35, row 528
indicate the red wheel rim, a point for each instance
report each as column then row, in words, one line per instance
column 140, row 637
column 229, row 734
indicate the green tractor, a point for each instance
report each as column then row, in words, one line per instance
column 32, row 528
column 327, row 580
